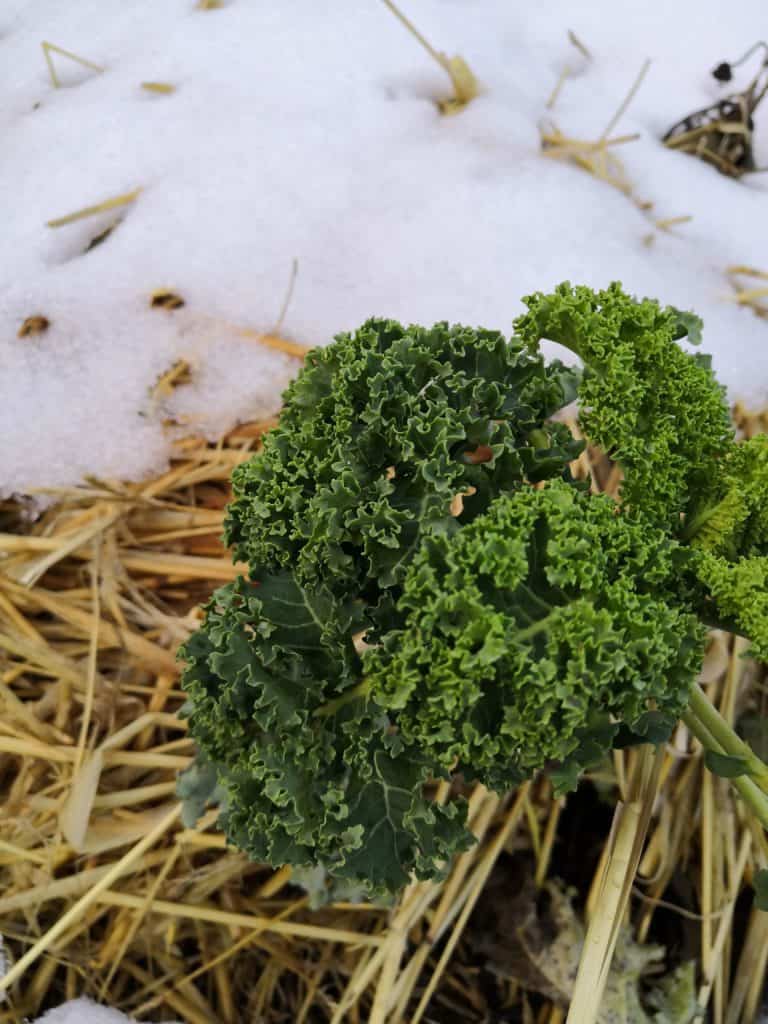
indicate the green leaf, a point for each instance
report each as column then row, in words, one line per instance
column 688, row 325
column 198, row 788
column 373, row 445
column 569, row 378
column 303, row 788
column 656, row 409
column 594, row 744
column 732, row 517
column 519, row 629
column 760, row 884
column 740, row 592
column 653, row 727
column 726, row 765
column 395, row 819
column 522, row 633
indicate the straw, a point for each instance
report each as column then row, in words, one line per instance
column 465, row 86
column 49, row 48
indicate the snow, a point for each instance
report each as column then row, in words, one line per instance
column 308, row 132
column 83, row 1011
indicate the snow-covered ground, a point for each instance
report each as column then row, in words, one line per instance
column 308, row 132
column 83, row 1011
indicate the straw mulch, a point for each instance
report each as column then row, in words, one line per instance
column 104, row 893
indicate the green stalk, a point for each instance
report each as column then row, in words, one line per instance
column 750, row 793
column 724, row 734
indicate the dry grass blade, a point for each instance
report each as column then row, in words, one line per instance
column 114, row 203
column 568, row 71
column 596, row 157
column 474, row 888
column 273, row 341
column 275, row 332
column 624, row 105
column 90, row 897
column 623, row 852
column 593, row 157
column 174, row 377
column 49, row 48
column 465, row 87
column 573, row 38
column 754, row 297
column 163, row 88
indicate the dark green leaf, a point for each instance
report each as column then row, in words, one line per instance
column 652, row 727
column 377, row 435
column 754, row 728
column 725, row 765
column 760, row 883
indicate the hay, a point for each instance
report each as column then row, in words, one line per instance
column 104, row 893
column 596, row 156
column 161, row 88
column 755, row 297
column 49, row 48
column 114, row 203
column 465, row 85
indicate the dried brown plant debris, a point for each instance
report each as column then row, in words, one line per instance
column 166, row 298
column 37, row 324
column 750, row 288
column 177, row 375
column 597, row 156
column 465, row 85
column 722, row 133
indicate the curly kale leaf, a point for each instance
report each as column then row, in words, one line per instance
column 646, row 402
column 378, row 434
column 732, row 515
column 525, row 631
column 507, row 628
column 728, row 535
column 301, row 785
column 739, row 591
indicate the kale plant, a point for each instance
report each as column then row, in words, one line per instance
column 433, row 596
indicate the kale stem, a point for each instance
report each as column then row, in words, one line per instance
column 361, row 690
column 540, row 626
column 724, row 734
column 750, row 793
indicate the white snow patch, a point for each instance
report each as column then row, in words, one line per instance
column 83, row 1011
column 309, row 132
